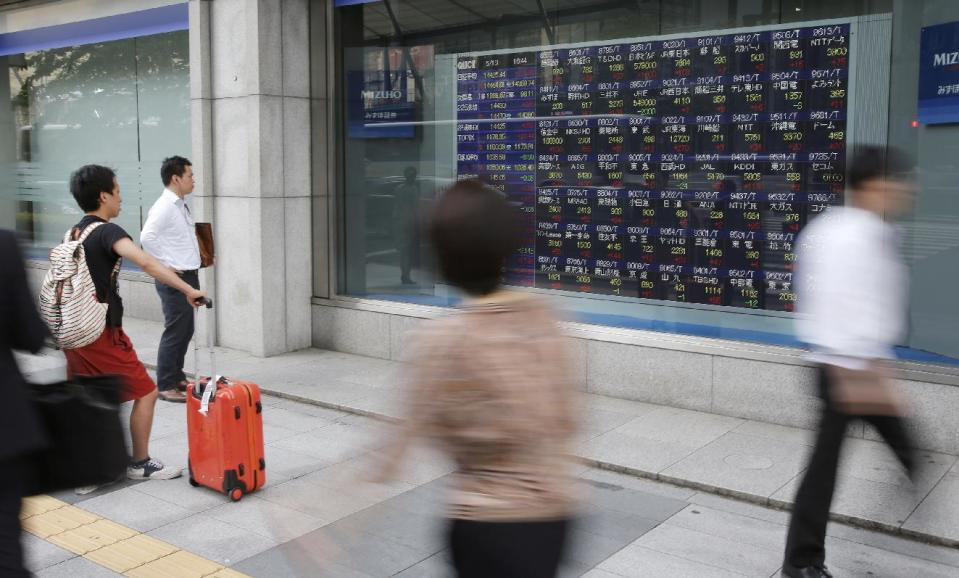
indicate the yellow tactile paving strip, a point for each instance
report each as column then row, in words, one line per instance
column 112, row 545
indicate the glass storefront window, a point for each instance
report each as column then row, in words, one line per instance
column 666, row 154
column 124, row 104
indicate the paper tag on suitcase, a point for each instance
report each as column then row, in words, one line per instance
column 207, row 394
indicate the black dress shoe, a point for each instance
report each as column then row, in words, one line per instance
column 806, row 572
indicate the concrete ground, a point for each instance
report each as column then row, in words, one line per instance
column 318, row 517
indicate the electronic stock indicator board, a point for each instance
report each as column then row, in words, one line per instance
column 679, row 169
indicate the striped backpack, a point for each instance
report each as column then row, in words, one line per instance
column 68, row 297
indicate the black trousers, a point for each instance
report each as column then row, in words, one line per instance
column 177, row 332
column 805, row 542
column 507, row 549
column 12, row 472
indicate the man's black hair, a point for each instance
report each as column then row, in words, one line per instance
column 174, row 165
column 874, row 162
column 86, row 184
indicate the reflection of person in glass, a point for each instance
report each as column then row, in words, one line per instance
column 406, row 203
column 852, row 302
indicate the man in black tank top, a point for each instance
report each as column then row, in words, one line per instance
column 96, row 190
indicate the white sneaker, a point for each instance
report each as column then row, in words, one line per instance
column 152, row 469
column 84, row 490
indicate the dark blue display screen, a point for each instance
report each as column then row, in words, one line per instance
column 939, row 74
column 678, row 169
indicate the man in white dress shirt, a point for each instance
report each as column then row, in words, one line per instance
column 169, row 235
column 852, row 290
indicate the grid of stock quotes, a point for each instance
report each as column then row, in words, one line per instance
column 678, row 169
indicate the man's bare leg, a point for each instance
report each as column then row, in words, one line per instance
column 141, row 424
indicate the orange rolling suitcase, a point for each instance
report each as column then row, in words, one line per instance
column 225, row 432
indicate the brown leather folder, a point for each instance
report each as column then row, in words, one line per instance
column 204, row 237
column 871, row 391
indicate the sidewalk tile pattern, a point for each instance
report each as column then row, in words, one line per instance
column 111, row 546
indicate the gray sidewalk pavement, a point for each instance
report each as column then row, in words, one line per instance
column 750, row 460
column 318, row 518
column 314, row 514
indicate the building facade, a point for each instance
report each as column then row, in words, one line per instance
column 664, row 154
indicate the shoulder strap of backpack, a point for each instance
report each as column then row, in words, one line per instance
column 115, row 274
column 72, row 235
column 90, row 228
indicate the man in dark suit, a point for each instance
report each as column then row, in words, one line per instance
column 21, row 328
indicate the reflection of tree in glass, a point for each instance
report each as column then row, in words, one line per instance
column 124, row 103
column 91, row 88
column 163, row 71
column 70, row 84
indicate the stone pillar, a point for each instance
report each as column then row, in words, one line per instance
column 251, row 145
column 323, row 178
column 201, row 145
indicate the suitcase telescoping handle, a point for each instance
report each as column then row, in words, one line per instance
column 208, row 303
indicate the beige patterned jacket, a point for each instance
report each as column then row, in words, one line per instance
column 490, row 385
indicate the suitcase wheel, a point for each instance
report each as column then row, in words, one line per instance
column 236, row 494
column 189, row 467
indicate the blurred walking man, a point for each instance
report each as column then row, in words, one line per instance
column 169, row 235
column 22, row 431
column 852, row 305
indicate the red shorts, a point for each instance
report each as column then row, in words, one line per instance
column 112, row 354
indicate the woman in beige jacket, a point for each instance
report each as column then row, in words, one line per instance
column 489, row 385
